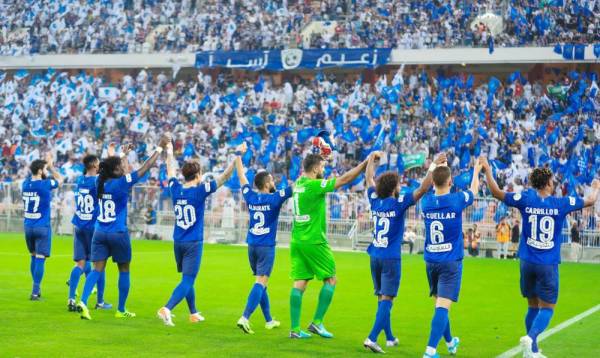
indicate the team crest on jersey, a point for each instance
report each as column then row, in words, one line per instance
column 401, row 198
column 246, row 190
column 571, row 201
column 517, row 196
column 323, row 183
column 282, row 193
column 128, row 178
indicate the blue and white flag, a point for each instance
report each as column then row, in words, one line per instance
column 139, row 125
column 108, row 94
column 64, row 145
column 82, row 145
column 34, row 155
column 20, row 74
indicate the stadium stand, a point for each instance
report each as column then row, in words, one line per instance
column 52, row 26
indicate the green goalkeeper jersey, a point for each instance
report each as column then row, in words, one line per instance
column 310, row 221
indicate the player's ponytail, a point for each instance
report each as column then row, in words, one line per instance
column 107, row 171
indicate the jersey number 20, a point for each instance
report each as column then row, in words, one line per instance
column 185, row 216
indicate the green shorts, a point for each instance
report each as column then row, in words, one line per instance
column 310, row 260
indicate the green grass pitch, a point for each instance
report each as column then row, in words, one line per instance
column 488, row 318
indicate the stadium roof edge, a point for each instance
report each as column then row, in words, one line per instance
column 501, row 55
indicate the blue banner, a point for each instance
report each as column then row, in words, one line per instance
column 291, row 59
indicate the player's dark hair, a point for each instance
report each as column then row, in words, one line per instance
column 386, row 184
column 311, row 161
column 108, row 168
column 190, row 170
column 540, row 177
column 260, row 179
column 88, row 162
column 441, row 175
column 36, row 166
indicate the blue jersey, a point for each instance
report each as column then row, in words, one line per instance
column 543, row 220
column 443, row 225
column 86, row 196
column 388, row 222
column 37, row 196
column 188, row 204
column 264, row 210
column 112, row 206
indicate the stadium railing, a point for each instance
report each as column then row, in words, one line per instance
column 349, row 224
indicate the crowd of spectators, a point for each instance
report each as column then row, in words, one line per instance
column 516, row 123
column 132, row 26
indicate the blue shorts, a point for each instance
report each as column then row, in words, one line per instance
column 82, row 244
column 39, row 240
column 386, row 276
column 539, row 280
column 188, row 255
column 444, row 279
column 107, row 244
column 261, row 259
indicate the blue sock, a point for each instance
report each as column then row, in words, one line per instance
column 38, row 274
column 438, row 325
column 90, row 282
column 87, row 268
column 530, row 316
column 265, row 306
column 32, row 266
column 447, row 334
column 383, row 314
column 179, row 293
column 387, row 328
column 100, row 285
column 253, row 299
column 540, row 323
column 74, row 281
column 191, row 300
column 123, row 290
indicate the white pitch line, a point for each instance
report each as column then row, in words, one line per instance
column 516, row 350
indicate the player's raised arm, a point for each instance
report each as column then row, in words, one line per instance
column 593, row 196
column 171, row 172
column 428, row 181
column 352, row 174
column 50, row 166
column 227, row 173
column 166, row 139
column 370, row 170
column 491, row 182
column 239, row 166
column 125, row 149
column 475, row 180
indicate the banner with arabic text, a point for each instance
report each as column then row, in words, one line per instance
column 291, row 59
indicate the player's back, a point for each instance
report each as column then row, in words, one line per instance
column 188, row 205
column 85, row 202
column 543, row 220
column 388, row 223
column 112, row 204
column 443, row 225
column 263, row 209
column 37, row 197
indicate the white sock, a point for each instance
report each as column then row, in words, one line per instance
column 449, row 344
column 430, row 350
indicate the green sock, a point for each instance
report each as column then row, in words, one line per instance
column 295, row 308
column 325, row 297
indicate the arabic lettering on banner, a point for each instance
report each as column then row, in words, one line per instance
column 290, row 59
